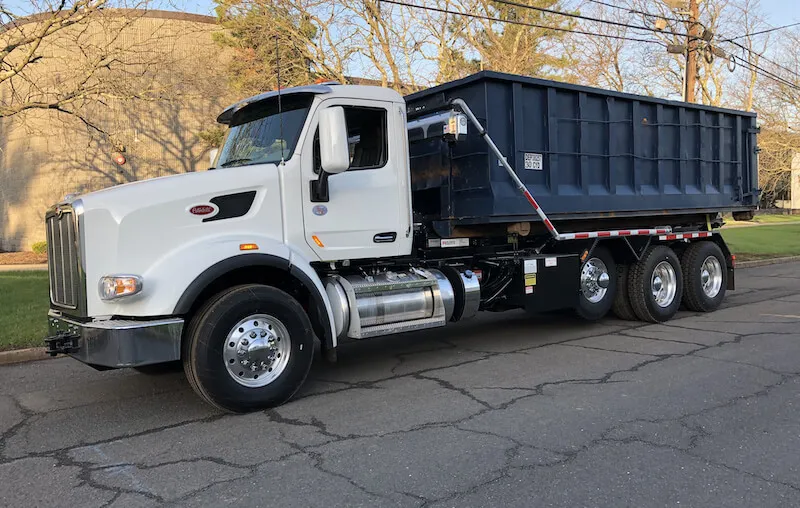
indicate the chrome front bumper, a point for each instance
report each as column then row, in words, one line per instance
column 116, row 343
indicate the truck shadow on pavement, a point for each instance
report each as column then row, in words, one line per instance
column 363, row 363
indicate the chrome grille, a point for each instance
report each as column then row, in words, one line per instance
column 62, row 259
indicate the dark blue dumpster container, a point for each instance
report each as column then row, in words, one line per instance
column 584, row 153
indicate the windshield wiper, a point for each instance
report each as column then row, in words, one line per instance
column 234, row 161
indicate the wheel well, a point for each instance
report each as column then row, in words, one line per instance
column 269, row 276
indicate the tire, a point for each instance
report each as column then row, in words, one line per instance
column 642, row 280
column 702, row 261
column 249, row 348
column 158, row 369
column 621, row 307
column 594, row 300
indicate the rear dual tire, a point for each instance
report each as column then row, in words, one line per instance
column 655, row 285
column 598, row 285
column 653, row 288
column 705, row 276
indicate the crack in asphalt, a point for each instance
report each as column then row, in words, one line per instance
column 698, row 434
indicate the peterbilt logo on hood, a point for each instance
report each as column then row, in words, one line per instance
column 202, row 210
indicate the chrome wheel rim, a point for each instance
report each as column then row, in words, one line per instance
column 256, row 350
column 594, row 280
column 711, row 276
column 664, row 284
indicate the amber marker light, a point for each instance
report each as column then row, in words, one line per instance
column 248, row 246
column 317, row 241
column 112, row 287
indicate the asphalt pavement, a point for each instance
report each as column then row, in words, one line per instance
column 504, row 410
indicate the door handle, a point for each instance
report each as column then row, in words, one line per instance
column 387, row 237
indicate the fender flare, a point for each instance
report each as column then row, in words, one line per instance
column 213, row 272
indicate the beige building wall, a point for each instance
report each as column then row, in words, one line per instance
column 45, row 155
column 794, row 189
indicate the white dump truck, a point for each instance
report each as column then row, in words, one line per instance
column 336, row 212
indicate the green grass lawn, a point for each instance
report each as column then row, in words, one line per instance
column 24, row 300
column 769, row 219
column 763, row 241
column 761, row 219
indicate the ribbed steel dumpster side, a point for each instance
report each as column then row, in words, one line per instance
column 583, row 152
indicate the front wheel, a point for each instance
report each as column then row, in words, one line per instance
column 249, row 348
column 598, row 285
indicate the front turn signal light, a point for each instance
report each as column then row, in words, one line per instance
column 112, row 287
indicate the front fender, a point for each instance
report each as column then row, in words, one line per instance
column 295, row 264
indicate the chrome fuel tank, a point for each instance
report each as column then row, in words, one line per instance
column 390, row 302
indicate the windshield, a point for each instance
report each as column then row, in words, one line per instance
column 261, row 135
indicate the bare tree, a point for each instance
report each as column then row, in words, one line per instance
column 531, row 44
column 602, row 58
column 73, row 57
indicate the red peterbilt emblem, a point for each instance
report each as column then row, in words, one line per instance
column 202, row 210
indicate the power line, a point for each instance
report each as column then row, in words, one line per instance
column 768, row 30
column 522, row 23
column 764, row 73
column 762, row 57
column 767, row 74
column 577, row 16
column 634, row 11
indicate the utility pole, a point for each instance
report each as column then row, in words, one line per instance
column 690, row 73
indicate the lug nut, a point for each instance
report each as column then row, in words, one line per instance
column 252, row 335
column 263, row 333
column 245, row 342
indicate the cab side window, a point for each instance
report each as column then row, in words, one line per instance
column 367, row 137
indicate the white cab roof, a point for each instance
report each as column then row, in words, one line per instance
column 332, row 89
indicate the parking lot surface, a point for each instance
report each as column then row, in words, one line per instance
column 503, row 410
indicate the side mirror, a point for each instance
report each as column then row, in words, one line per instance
column 334, row 151
column 212, row 155
column 333, row 148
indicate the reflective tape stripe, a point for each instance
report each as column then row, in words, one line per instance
column 532, row 201
column 666, row 234
column 686, row 236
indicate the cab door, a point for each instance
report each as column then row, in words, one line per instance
column 367, row 212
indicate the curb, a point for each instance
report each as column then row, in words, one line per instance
column 23, row 355
column 24, row 268
column 767, row 262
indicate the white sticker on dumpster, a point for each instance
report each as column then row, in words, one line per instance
column 530, row 266
column 533, row 161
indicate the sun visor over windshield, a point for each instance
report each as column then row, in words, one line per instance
column 228, row 114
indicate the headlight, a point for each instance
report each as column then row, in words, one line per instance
column 116, row 286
